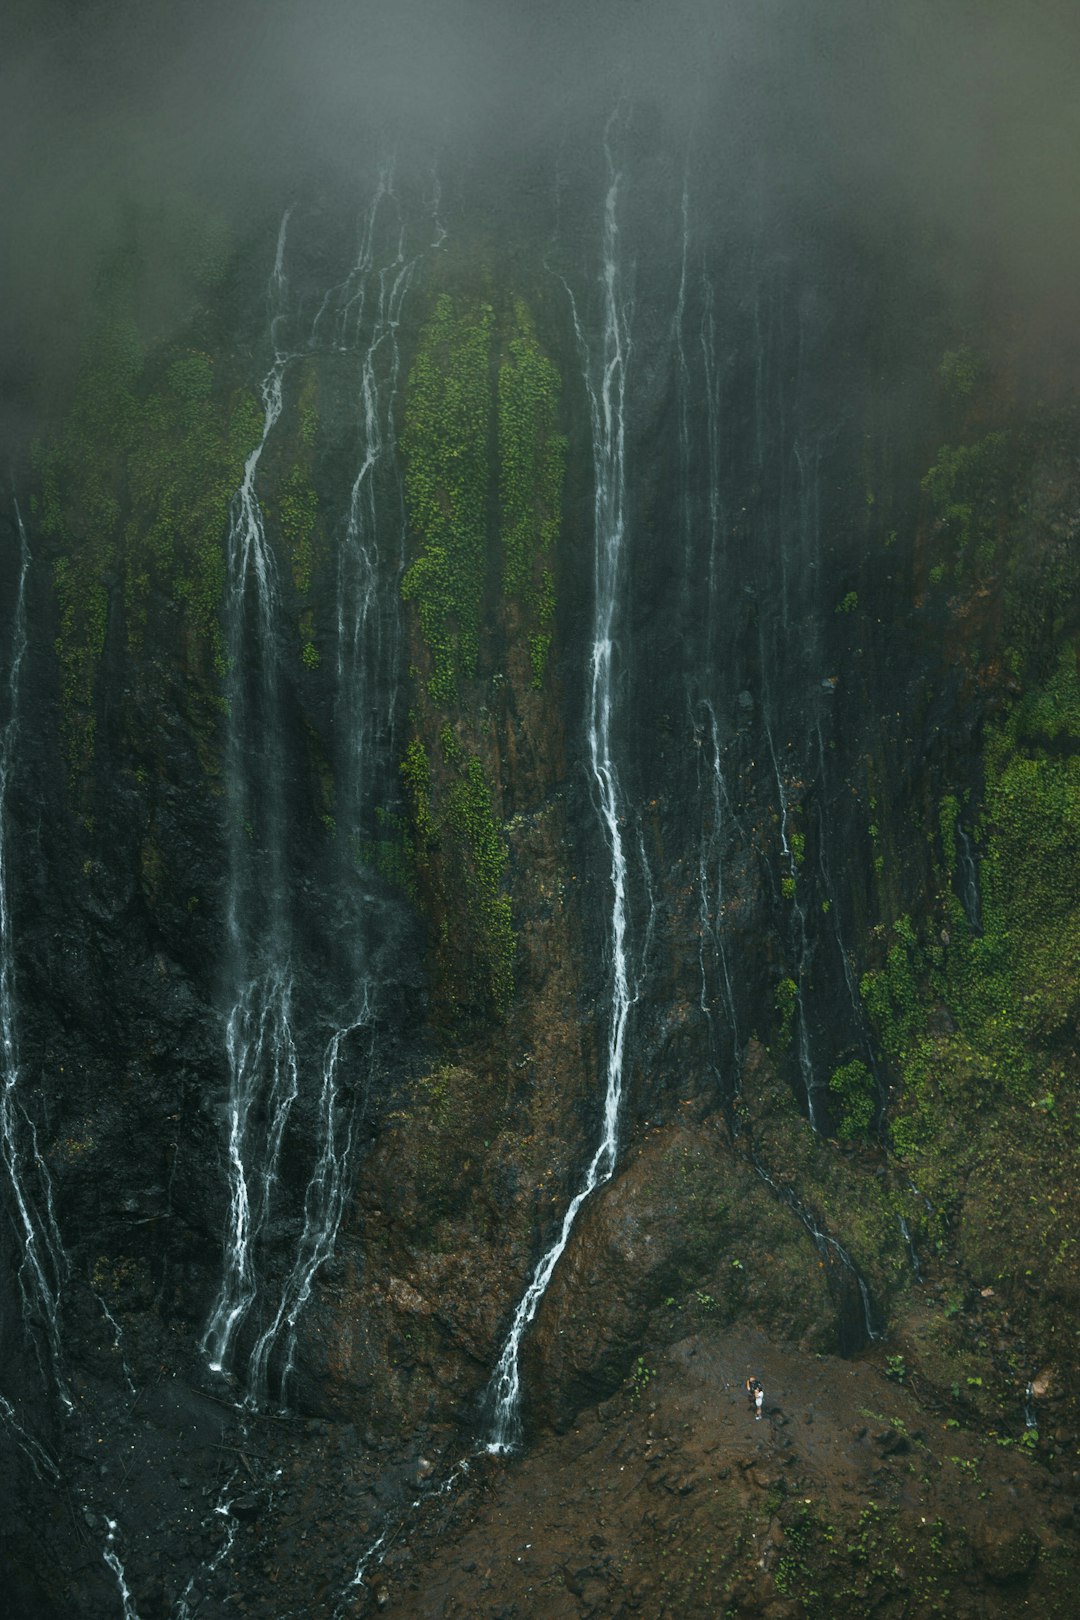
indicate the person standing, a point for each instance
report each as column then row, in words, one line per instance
column 759, row 1401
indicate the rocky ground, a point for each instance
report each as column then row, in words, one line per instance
column 672, row 1500
column 854, row 1495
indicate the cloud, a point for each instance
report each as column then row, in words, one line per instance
column 952, row 130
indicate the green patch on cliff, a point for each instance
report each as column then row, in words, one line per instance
column 532, row 464
column 446, row 445
column 453, row 471
column 484, row 469
column 135, row 491
column 185, row 462
column 459, row 858
column 295, row 509
column 979, row 1025
column 81, row 505
column 968, row 487
column 854, row 1094
column 1010, row 991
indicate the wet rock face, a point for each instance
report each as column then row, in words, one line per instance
column 796, row 779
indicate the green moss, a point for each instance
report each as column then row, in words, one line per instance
column 81, row 477
column 967, row 488
column 532, row 464
column 852, row 1086
column 307, row 408
column 297, row 507
column 136, row 488
column 458, row 858
column 185, row 461
column 959, row 371
column 947, row 819
column 391, row 852
column 445, row 443
column 416, row 773
column 979, row 1026
column 786, row 998
column 484, row 859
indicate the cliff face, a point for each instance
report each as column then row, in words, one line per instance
column 491, row 719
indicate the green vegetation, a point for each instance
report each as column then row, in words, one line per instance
column 446, row 445
column 480, row 442
column 134, row 488
column 976, row 1014
column 852, row 1086
column 959, row 371
column 459, row 858
column 1013, row 989
column 968, row 489
column 638, row 1382
column 786, row 997
column 484, row 860
column 391, row 851
column 297, row 513
column 532, row 461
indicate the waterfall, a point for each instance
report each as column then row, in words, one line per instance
column 700, row 509
column 718, row 814
column 359, row 316
column 966, row 879
column 831, row 1250
column 263, row 1078
column 368, row 312
column 800, row 936
column 112, row 1558
column 43, row 1267
column 605, row 382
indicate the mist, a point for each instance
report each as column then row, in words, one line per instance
column 953, row 132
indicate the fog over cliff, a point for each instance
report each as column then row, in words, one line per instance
column 949, row 133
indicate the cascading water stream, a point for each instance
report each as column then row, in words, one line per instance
column 967, row 874
column 359, row 315
column 259, row 1040
column 834, row 913
column 364, row 648
column 800, row 935
column 112, row 1558
column 605, row 382
column 43, row 1266
column 828, row 1247
column 700, row 511
column 711, row 893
